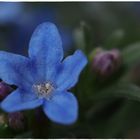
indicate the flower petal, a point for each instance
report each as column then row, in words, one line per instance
column 14, row 69
column 45, row 49
column 14, row 102
column 62, row 108
column 70, row 70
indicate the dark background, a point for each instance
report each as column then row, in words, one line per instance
column 103, row 24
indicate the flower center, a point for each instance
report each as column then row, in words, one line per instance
column 44, row 90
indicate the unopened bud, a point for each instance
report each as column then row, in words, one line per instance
column 17, row 120
column 3, row 119
column 106, row 63
column 5, row 89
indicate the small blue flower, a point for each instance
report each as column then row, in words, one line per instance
column 44, row 77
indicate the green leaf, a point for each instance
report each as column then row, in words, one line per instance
column 131, row 54
column 127, row 90
column 114, row 39
column 83, row 37
column 24, row 135
column 5, row 131
column 122, row 121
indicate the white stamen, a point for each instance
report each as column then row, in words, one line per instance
column 44, row 90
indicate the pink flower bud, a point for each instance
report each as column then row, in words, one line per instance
column 17, row 120
column 106, row 63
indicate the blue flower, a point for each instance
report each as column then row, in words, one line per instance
column 44, row 77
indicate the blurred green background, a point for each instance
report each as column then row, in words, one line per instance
column 109, row 107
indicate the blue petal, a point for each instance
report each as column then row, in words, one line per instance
column 70, row 71
column 45, row 49
column 62, row 108
column 15, row 69
column 15, row 102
